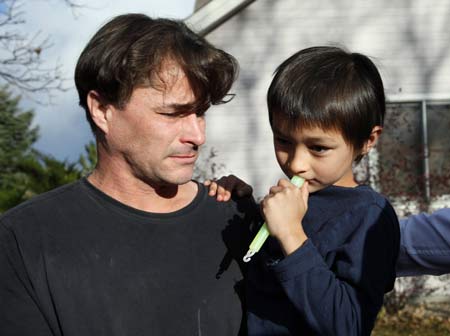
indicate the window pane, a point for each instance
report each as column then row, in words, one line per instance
column 401, row 151
column 439, row 148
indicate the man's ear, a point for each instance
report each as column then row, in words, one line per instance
column 99, row 112
column 373, row 138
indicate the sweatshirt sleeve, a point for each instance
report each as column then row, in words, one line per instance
column 425, row 244
column 340, row 291
column 19, row 310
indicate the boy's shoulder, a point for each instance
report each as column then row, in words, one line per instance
column 342, row 197
column 333, row 203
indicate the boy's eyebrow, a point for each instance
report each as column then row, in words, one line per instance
column 320, row 139
column 280, row 133
column 312, row 139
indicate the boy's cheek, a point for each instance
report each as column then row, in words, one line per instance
column 313, row 187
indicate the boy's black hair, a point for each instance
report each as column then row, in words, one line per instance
column 329, row 88
column 131, row 50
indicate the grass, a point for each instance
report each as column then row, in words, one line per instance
column 423, row 320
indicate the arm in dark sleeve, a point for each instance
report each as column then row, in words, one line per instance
column 345, row 297
column 425, row 244
column 19, row 312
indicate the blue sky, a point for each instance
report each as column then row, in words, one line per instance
column 63, row 128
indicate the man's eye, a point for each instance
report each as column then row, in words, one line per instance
column 181, row 114
column 174, row 115
column 169, row 114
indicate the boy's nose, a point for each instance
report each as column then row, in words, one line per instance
column 299, row 162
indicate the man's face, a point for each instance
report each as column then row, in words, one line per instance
column 321, row 157
column 158, row 144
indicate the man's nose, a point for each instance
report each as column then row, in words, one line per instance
column 193, row 130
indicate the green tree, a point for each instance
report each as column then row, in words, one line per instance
column 16, row 132
column 16, row 138
column 43, row 173
column 24, row 171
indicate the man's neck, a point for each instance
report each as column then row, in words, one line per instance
column 140, row 195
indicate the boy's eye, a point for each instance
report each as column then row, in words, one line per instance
column 281, row 141
column 318, row 149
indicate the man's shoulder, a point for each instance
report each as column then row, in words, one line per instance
column 236, row 204
column 242, row 211
column 46, row 202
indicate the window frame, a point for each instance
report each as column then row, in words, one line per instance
column 423, row 101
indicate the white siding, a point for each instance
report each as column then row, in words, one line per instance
column 409, row 40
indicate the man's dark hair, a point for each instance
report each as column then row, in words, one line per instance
column 329, row 88
column 131, row 50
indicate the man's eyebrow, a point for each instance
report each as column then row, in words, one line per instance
column 174, row 108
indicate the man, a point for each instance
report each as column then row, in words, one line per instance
column 136, row 248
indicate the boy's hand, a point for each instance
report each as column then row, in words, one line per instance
column 226, row 185
column 284, row 208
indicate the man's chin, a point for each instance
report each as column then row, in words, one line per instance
column 181, row 178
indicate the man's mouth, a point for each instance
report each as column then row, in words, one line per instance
column 185, row 158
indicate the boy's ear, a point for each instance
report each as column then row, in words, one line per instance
column 373, row 138
column 100, row 113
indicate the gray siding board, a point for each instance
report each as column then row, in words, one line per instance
column 408, row 39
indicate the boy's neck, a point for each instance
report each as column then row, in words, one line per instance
column 347, row 181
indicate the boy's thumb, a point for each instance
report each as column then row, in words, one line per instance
column 305, row 192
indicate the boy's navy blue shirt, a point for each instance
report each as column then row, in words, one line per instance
column 335, row 282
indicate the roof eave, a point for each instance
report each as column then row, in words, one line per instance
column 215, row 13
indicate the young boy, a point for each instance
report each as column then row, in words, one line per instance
column 328, row 275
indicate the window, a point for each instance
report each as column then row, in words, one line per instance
column 439, row 148
column 414, row 151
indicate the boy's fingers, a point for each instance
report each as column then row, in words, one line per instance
column 275, row 189
column 220, row 193
column 212, row 189
column 226, row 185
column 228, row 188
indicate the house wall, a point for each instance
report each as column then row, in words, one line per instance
column 409, row 40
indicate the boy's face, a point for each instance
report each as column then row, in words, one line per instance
column 321, row 157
